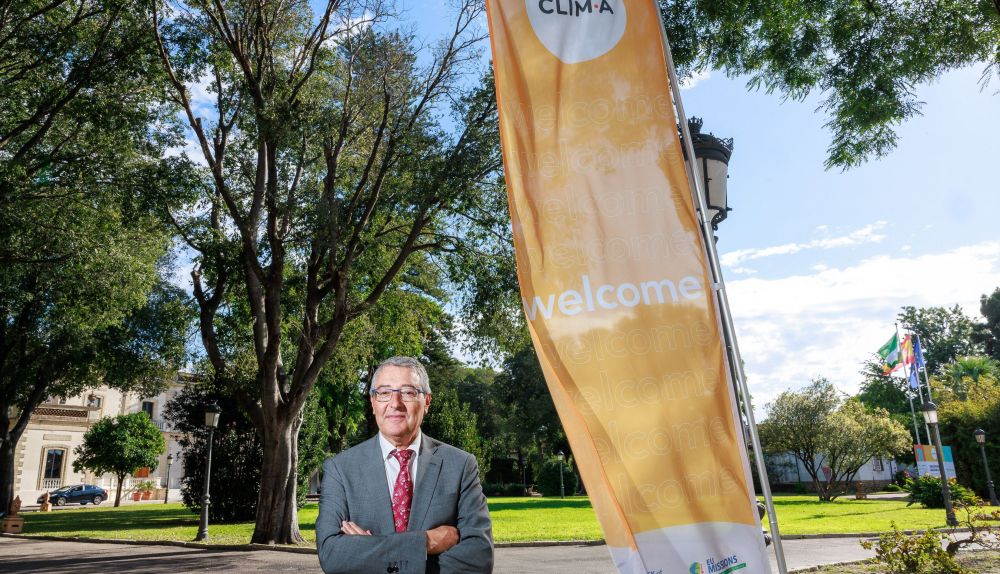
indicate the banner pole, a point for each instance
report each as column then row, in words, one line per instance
column 920, row 392
column 733, row 351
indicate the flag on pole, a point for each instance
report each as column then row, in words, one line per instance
column 907, row 350
column 616, row 285
column 890, row 354
column 918, row 353
column 914, row 378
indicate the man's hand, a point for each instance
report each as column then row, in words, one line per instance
column 348, row 527
column 441, row 538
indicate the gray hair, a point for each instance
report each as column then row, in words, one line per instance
column 408, row 363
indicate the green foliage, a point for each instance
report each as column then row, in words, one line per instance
column 547, row 477
column 818, row 428
column 926, row 490
column 899, row 553
column 892, row 487
column 958, row 420
column 865, row 58
column 120, row 445
column 237, row 453
column 990, row 333
column 945, row 334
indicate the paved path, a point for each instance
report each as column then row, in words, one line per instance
column 43, row 556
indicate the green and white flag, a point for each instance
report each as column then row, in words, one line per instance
column 891, row 357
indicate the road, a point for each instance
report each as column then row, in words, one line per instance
column 43, row 556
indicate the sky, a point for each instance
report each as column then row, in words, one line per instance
column 818, row 263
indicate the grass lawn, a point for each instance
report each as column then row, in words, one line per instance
column 515, row 519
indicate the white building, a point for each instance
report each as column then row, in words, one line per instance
column 785, row 469
column 43, row 458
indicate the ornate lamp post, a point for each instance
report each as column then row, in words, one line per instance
column 562, row 489
column 170, row 463
column 981, row 439
column 212, row 412
column 712, row 154
column 930, row 416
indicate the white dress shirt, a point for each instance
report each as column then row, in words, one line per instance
column 392, row 464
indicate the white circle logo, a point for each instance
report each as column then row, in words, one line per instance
column 577, row 30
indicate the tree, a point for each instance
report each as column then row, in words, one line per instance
column 120, row 445
column 329, row 180
column 945, row 333
column 958, row 374
column 80, row 160
column 832, row 438
column 960, row 417
column 237, row 452
column 866, row 58
column 990, row 333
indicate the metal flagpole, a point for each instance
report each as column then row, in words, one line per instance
column 920, row 393
column 916, row 431
column 729, row 330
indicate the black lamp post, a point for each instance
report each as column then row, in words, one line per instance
column 981, row 439
column 930, row 416
column 170, row 463
column 713, row 155
column 562, row 489
column 212, row 412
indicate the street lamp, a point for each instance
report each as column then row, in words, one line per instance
column 713, row 155
column 212, row 412
column 981, row 439
column 930, row 416
column 170, row 463
column 562, row 489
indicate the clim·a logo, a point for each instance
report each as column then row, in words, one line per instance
column 574, row 7
column 577, row 30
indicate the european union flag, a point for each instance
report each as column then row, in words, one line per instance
column 914, row 379
column 918, row 353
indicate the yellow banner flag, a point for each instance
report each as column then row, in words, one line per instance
column 615, row 283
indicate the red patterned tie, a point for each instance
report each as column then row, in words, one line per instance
column 402, row 493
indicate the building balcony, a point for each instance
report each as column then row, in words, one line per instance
column 64, row 414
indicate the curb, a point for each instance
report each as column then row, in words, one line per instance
column 312, row 550
column 197, row 545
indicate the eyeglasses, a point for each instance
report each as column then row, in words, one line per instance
column 407, row 394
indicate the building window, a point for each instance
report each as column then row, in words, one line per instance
column 94, row 401
column 147, row 407
column 52, row 474
column 877, row 464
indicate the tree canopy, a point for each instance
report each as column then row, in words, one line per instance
column 866, row 59
column 831, row 437
column 120, row 445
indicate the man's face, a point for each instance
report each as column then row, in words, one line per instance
column 398, row 420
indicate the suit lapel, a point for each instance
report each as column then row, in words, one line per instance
column 427, row 476
column 378, row 488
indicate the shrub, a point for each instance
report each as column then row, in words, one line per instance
column 900, row 477
column 892, row 487
column 547, row 480
column 927, row 491
column 900, row 553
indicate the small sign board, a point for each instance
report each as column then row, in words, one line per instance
column 927, row 462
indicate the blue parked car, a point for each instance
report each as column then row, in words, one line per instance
column 82, row 493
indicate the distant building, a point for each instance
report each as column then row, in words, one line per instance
column 786, row 471
column 43, row 458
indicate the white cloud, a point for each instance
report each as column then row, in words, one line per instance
column 795, row 328
column 867, row 234
column 697, row 78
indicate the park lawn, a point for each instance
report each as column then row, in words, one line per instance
column 515, row 519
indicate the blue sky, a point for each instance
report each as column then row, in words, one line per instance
column 818, row 263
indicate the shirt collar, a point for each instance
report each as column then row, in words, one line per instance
column 387, row 447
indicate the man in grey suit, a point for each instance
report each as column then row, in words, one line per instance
column 401, row 501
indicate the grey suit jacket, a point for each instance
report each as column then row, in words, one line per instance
column 447, row 492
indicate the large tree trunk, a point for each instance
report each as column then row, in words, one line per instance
column 6, row 470
column 277, row 514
